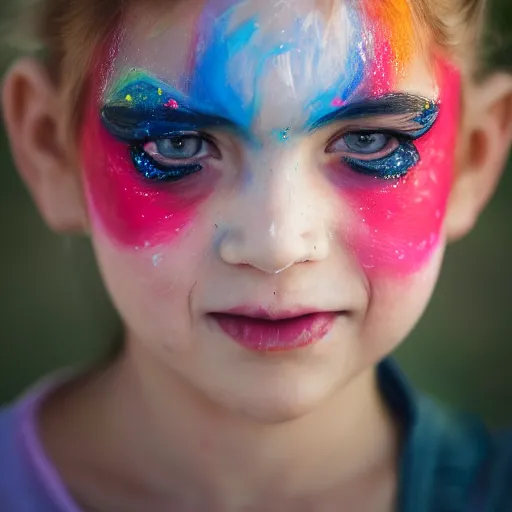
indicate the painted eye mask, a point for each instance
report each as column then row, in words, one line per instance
column 387, row 153
column 168, row 139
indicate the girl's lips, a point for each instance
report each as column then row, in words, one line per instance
column 275, row 335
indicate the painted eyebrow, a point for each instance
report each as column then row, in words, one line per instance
column 137, row 123
column 143, row 107
column 420, row 110
column 146, row 107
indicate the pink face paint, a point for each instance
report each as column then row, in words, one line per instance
column 172, row 104
column 134, row 211
column 389, row 31
column 398, row 222
column 338, row 102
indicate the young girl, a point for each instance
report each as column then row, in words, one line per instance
column 269, row 187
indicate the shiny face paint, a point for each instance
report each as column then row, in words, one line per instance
column 400, row 221
column 303, row 69
column 130, row 205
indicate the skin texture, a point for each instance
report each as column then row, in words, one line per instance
column 142, row 213
column 278, row 223
column 280, row 218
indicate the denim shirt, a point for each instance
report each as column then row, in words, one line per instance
column 449, row 462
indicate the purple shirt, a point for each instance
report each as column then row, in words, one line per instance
column 449, row 462
column 28, row 480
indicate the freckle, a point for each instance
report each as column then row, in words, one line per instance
column 216, row 226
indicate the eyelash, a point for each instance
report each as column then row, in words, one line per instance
column 151, row 169
column 393, row 165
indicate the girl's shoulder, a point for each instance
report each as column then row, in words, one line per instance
column 471, row 466
column 28, row 481
column 496, row 480
column 450, row 461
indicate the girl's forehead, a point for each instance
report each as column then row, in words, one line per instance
column 261, row 58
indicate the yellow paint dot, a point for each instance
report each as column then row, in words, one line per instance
column 160, row 92
column 129, row 98
column 427, row 105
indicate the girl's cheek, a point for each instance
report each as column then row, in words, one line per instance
column 135, row 212
column 400, row 221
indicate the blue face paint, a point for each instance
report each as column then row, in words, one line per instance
column 153, row 171
column 419, row 112
column 245, row 65
column 350, row 79
column 239, row 55
column 417, row 117
column 147, row 108
column 393, row 166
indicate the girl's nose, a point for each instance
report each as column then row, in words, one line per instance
column 277, row 221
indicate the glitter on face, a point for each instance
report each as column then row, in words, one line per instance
column 154, row 172
column 393, row 166
column 137, row 210
column 301, row 72
column 172, row 104
column 389, row 32
column 400, row 220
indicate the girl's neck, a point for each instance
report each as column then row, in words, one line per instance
column 154, row 431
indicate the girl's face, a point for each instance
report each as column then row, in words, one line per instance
column 267, row 183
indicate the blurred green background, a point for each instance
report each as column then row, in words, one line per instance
column 54, row 310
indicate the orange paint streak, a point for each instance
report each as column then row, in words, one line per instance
column 392, row 24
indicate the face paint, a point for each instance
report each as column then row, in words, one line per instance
column 389, row 40
column 302, row 70
column 139, row 209
column 400, row 221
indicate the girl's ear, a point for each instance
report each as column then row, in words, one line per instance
column 42, row 149
column 484, row 146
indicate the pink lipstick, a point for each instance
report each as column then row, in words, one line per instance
column 263, row 332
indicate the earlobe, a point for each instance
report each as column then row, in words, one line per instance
column 484, row 146
column 44, row 158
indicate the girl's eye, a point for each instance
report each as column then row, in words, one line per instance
column 177, row 149
column 378, row 154
column 172, row 158
column 367, row 143
column 364, row 144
